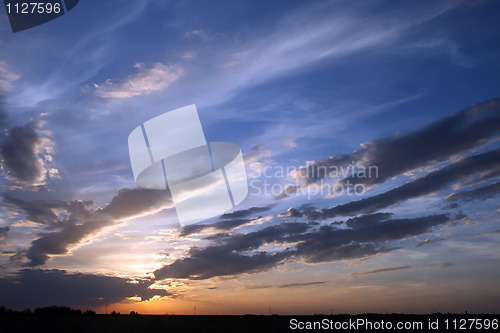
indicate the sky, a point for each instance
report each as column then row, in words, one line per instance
column 370, row 133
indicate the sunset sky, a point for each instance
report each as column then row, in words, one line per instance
column 314, row 92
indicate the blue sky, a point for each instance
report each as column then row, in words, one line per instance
column 409, row 87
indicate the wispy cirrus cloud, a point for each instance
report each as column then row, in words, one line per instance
column 290, row 44
column 151, row 78
column 333, row 33
column 445, row 46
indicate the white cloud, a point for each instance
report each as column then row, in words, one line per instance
column 188, row 55
column 6, row 76
column 196, row 33
column 445, row 46
column 202, row 35
column 150, row 79
column 299, row 41
column 295, row 42
column 289, row 143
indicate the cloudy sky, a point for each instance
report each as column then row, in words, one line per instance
column 370, row 132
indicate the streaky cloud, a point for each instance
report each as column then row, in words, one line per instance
column 83, row 220
column 400, row 153
column 233, row 255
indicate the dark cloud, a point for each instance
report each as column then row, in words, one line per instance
column 34, row 288
column 231, row 221
column 367, row 236
column 260, row 287
column 289, row 190
column 222, row 225
column 380, row 270
column 134, row 202
column 430, row 241
column 422, row 186
column 245, row 212
column 229, row 257
column 19, row 151
column 3, row 232
column 445, row 265
column 3, row 113
column 482, row 193
column 367, row 221
column 495, row 173
column 18, row 257
column 292, row 212
column 241, row 253
column 211, row 262
column 321, row 169
column 53, row 214
column 301, row 284
column 82, row 220
column 256, row 154
column 218, row 237
column 289, row 285
column 306, row 210
column 394, row 155
column 492, row 232
column 59, row 242
column 397, row 268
